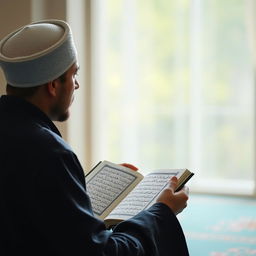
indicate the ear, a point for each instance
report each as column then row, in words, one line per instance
column 52, row 87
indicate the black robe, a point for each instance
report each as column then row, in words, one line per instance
column 44, row 206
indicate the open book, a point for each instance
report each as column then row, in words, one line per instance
column 118, row 193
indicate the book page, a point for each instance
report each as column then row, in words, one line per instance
column 144, row 195
column 108, row 184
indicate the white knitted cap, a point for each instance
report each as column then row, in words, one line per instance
column 37, row 53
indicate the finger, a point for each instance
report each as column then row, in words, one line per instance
column 130, row 166
column 173, row 182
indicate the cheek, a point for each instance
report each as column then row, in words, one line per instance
column 72, row 86
column 70, row 94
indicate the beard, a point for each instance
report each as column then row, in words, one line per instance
column 63, row 116
column 58, row 114
column 60, row 111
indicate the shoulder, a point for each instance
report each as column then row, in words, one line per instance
column 51, row 140
column 56, row 156
column 39, row 138
column 51, row 150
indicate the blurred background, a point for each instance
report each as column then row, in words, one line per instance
column 166, row 84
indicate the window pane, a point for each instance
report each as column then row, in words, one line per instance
column 173, row 86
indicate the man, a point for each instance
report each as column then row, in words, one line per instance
column 44, row 207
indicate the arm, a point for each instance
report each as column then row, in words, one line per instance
column 65, row 209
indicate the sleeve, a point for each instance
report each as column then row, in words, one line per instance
column 66, row 219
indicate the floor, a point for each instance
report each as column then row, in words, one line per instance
column 220, row 226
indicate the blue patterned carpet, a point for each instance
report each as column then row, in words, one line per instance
column 220, row 226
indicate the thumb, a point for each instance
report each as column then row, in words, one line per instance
column 173, row 182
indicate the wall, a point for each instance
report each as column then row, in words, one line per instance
column 16, row 13
column 13, row 14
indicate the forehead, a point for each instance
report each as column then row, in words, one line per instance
column 73, row 68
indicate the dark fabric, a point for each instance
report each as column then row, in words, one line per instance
column 44, row 207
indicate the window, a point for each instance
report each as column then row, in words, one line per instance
column 173, row 87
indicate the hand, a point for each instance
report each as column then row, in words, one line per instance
column 177, row 201
column 134, row 168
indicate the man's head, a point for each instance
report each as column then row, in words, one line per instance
column 39, row 61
